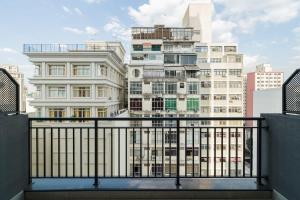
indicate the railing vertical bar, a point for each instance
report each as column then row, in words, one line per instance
column 259, row 140
column 133, row 158
column 29, row 150
column 178, row 153
column 229, row 152
column 251, row 151
column 111, row 152
column 126, row 149
column 66, row 150
column 207, row 151
column 44, row 151
column 215, row 152
column 80, row 147
column 170, row 158
column 73, row 146
column 51, row 151
column 185, row 149
column 155, row 150
column 148, row 163
column 222, row 148
column 193, row 148
column 58, row 152
column 119, row 152
column 104, row 152
column 236, row 152
column 37, row 151
column 163, row 153
column 141, row 144
column 88, row 151
column 96, row 181
column 200, row 152
column 244, row 149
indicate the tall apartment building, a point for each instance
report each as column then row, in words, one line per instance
column 263, row 78
column 14, row 71
column 179, row 72
column 78, row 80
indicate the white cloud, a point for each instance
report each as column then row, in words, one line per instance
column 250, row 61
column 93, row 1
column 87, row 30
column 223, row 31
column 9, row 50
column 296, row 30
column 78, row 11
column 117, row 29
column 67, row 10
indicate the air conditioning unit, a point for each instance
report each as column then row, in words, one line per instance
column 208, row 75
column 158, row 111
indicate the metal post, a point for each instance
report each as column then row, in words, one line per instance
column 259, row 138
column 96, row 182
column 284, row 98
column 29, row 150
column 178, row 154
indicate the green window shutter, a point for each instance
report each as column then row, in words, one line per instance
column 170, row 104
column 156, row 47
column 192, row 104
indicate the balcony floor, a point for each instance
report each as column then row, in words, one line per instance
column 145, row 184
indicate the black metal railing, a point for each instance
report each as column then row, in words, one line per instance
column 9, row 93
column 291, row 94
column 145, row 148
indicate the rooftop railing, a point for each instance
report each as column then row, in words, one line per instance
column 145, row 148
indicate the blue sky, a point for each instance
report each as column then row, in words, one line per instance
column 267, row 31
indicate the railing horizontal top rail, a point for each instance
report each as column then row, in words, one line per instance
column 150, row 118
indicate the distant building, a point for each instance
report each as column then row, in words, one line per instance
column 80, row 80
column 263, row 78
column 14, row 71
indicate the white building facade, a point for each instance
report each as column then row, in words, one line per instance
column 78, row 80
column 179, row 72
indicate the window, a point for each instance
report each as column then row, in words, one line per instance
column 102, row 112
column 235, row 109
column 202, row 60
column 137, row 47
column 220, row 72
column 38, row 112
column 204, row 72
column 171, row 59
column 157, row 170
column 205, row 84
column 103, row 70
column 168, row 47
column 205, row 97
column 156, row 47
column 193, row 88
column 136, row 73
column 170, row 73
column 201, row 49
column 235, row 72
column 221, row 109
column 56, row 112
column 157, row 123
column 170, row 104
column 216, row 60
column 188, row 59
column 136, row 104
column 81, row 70
column 38, row 91
column 102, row 91
column 235, row 84
column 230, row 49
column 170, row 151
column 136, row 139
column 81, row 91
column 135, row 87
column 157, row 104
column 157, row 88
column 38, row 70
column 170, row 87
column 81, row 112
column 191, row 73
column 171, row 137
column 56, row 92
column 220, row 84
column 189, row 150
column 56, row 70
column 220, row 97
column 205, row 109
column 192, row 104
column 181, row 85
column 216, row 48
column 135, row 170
column 235, row 97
